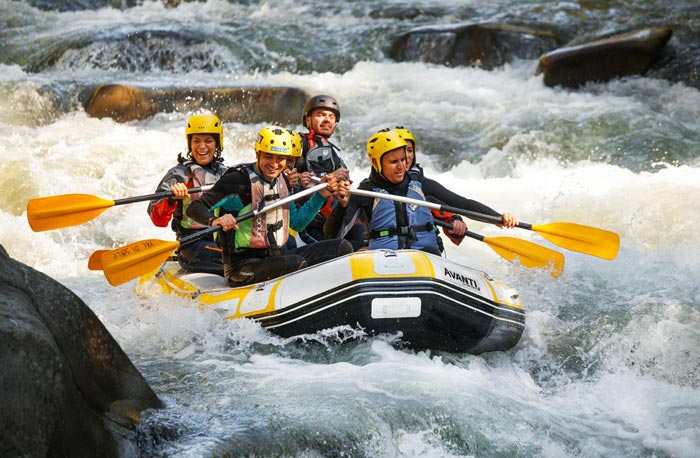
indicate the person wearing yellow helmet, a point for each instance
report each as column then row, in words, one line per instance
column 393, row 225
column 201, row 166
column 254, row 250
column 454, row 232
column 291, row 172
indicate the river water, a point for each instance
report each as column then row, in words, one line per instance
column 608, row 365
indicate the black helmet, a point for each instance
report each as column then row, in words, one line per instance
column 321, row 101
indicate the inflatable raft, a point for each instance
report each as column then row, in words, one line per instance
column 433, row 302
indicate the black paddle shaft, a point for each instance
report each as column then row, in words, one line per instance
column 481, row 217
column 158, row 195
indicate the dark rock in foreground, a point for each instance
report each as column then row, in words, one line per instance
column 280, row 105
column 66, row 387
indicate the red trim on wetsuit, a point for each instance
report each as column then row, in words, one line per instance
column 162, row 212
column 448, row 217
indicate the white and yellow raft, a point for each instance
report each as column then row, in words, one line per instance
column 433, row 302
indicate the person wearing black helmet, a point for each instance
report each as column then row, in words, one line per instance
column 320, row 157
column 202, row 166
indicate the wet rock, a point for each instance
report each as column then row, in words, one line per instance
column 397, row 12
column 602, row 60
column 66, row 387
column 486, row 45
column 280, row 105
column 80, row 5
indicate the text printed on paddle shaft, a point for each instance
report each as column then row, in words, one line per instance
column 466, row 281
column 132, row 249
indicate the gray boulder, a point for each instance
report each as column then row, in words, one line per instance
column 66, row 387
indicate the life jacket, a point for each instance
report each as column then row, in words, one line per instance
column 320, row 155
column 198, row 176
column 267, row 230
column 417, row 171
column 384, row 231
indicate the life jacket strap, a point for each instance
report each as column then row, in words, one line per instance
column 409, row 231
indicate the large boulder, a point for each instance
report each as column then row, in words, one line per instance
column 601, row 60
column 487, row 45
column 66, row 387
column 123, row 103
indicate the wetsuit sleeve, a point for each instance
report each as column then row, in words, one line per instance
column 438, row 192
column 161, row 210
column 232, row 183
column 300, row 217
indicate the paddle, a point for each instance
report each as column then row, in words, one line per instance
column 95, row 261
column 55, row 212
column 527, row 253
column 136, row 259
column 575, row 237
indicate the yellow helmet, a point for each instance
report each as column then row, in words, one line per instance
column 406, row 134
column 274, row 140
column 381, row 143
column 296, row 143
column 205, row 124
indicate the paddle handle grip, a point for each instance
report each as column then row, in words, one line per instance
column 159, row 195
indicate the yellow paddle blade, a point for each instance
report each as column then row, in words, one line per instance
column 529, row 254
column 54, row 212
column 95, row 261
column 131, row 261
column 584, row 239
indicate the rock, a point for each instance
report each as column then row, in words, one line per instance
column 66, row 387
column 486, row 45
column 277, row 105
column 602, row 60
column 80, row 5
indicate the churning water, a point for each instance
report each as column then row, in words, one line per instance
column 609, row 363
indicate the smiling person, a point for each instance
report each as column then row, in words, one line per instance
column 254, row 250
column 394, row 225
column 202, row 165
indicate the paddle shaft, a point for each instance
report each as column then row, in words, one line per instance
column 210, row 230
column 158, row 195
column 470, row 234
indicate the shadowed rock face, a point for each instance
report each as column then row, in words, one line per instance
column 66, row 387
column 486, row 45
column 603, row 60
column 278, row 105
